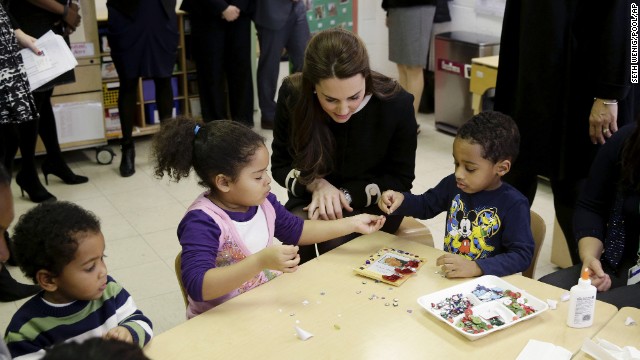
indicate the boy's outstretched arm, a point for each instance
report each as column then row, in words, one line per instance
column 456, row 266
column 389, row 201
column 315, row 231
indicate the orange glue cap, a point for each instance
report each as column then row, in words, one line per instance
column 585, row 274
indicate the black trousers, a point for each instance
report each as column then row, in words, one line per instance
column 223, row 56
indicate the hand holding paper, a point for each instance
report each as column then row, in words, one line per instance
column 56, row 59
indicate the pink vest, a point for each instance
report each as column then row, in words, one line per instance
column 231, row 250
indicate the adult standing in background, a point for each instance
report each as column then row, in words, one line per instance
column 606, row 223
column 410, row 23
column 17, row 108
column 566, row 83
column 221, row 31
column 37, row 17
column 281, row 24
column 143, row 37
column 343, row 134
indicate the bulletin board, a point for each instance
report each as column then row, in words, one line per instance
column 326, row 14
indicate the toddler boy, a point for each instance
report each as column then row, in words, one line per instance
column 488, row 229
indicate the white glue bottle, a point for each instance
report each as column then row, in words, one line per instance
column 582, row 302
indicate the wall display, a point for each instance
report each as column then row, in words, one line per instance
column 325, row 14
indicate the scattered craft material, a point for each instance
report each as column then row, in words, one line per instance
column 391, row 266
column 303, row 334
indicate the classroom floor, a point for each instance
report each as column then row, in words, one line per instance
column 140, row 214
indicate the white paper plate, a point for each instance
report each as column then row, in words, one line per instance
column 484, row 309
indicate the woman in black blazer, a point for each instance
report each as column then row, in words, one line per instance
column 143, row 37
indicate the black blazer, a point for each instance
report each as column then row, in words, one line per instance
column 215, row 7
column 129, row 7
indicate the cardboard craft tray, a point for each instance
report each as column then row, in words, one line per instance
column 482, row 306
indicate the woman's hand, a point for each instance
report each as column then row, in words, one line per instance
column 283, row 258
column 119, row 333
column 73, row 17
column 367, row 224
column 327, row 201
column 599, row 278
column 603, row 120
column 456, row 266
column 27, row 41
column 389, row 201
column 231, row 13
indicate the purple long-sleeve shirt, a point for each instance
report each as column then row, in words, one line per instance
column 199, row 236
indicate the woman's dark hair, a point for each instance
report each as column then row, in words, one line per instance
column 496, row 132
column 630, row 173
column 217, row 147
column 46, row 237
column 334, row 53
column 95, row 349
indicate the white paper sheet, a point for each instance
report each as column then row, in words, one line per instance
column 55, row 60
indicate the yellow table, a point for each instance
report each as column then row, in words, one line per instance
column 484, row 72
column 615, row 331
column 326, row 298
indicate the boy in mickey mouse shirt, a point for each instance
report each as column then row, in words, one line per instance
column 488, row 229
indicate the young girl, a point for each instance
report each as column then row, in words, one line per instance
column 227, row 233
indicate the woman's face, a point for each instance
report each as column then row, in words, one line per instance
column 340, row 98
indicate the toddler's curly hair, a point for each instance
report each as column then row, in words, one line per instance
column 46, row 237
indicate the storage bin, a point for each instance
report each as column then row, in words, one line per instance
column 151, row 112
column 149, row 89
column 110, row 94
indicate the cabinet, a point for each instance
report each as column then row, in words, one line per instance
column 183, row 81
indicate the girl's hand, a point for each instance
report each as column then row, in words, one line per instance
column 283, row 258
column 327, row 201
column 455, row 266
column 367, row 224
column 27, row 41
column 599, row 278
column 119, row 333
column 389, row 201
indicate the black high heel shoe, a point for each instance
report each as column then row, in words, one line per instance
column 61, row 170
column 32, row 185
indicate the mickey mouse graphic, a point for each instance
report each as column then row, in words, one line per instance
column 465, row 230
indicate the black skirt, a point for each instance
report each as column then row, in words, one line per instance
column 144, row 44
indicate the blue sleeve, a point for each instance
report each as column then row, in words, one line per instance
column 199, row 237
column 288, row 227
column 516, row 242
column 428, row 205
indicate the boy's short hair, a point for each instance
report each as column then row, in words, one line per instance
column 46, row 237
column 496, row 132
